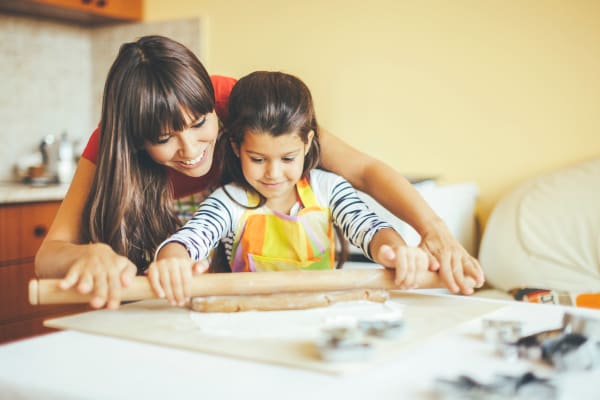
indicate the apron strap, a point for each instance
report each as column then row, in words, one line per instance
column 307, row 197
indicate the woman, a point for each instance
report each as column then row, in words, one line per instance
column 161, row 109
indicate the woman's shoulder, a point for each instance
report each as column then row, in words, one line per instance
column 222, row 86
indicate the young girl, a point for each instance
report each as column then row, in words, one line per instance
column 161, row 117
column 278, row 212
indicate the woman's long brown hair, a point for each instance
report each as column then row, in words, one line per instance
column 154, row 86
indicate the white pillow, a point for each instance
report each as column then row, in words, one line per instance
column 546, row 233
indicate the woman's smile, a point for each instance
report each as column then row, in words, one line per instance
column 193, row 163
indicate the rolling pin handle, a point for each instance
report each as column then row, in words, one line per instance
column 33, row 292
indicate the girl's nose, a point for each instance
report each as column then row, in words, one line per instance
column 273, row 169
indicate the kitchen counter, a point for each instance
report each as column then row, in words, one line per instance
column 76, row 365
column 21, row 193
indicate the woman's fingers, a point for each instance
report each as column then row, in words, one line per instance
column 100, row 290
column 446, row 272
column 71, row 278
column 114, row 290
column 128, row 273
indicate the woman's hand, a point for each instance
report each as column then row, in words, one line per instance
column 459, row 271
column 409, row 262
column 102, row 272
column 172, row 278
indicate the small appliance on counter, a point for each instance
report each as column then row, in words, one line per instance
column 53, row 164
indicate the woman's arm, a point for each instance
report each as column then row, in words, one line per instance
column 89, row 267
column 394, row 192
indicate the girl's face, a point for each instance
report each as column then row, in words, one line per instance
column 189, row 151
column 273, row 164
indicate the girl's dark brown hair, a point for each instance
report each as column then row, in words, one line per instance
column 274, row 103
column 277, row 104
column 155, row 85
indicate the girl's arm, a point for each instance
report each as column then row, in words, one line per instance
column 395, row 193
column 88, row 267
column 184, row 253
column 170, row 274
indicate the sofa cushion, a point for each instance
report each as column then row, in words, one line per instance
column 546, row 233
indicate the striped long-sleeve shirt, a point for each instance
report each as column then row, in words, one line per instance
column 218, row 216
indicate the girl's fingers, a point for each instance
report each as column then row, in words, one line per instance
column 434, row 265
column 186, row 283
column 165, row 281
column 177, row 284
column 154, row 277
column 200, row 267
column 401, row 267
column 410, row 270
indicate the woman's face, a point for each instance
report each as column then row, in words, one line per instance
column 189, row 151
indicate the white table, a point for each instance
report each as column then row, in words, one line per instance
column 74, row 365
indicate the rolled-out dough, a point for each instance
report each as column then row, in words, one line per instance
column 284, row 301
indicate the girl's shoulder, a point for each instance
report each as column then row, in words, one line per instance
column 324, row 183
column 324, row 178
column 231, row 194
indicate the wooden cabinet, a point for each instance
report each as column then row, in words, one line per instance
column 22, row 229
column 86, row 12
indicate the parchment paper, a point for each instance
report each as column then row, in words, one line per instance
column 154, row 321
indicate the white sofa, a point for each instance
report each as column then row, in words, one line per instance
column 546, row 233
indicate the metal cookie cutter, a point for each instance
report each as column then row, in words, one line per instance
column 343, row 344
column 571, row 351
column 586, row 326
column 502, row 334
column 384, row 326
column 520, row 387
column 504, row 331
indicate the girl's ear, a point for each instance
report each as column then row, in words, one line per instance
column 235, row 148
column 310, row 137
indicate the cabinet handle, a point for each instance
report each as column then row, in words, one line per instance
column 86, row 1
column 39, row 231
column 101, row 3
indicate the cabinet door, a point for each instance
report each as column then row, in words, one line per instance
column 10, row 233
column 118, row 9
column 22, row 229
column 35, row 220
column 15, row 310
column 14, row 292
column 86, row 12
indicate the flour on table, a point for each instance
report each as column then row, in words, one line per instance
column 290, row 324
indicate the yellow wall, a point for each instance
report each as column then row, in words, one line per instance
column 469, row 90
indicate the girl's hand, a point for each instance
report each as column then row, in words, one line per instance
column 409, row 262
column 102, row 272
column 172, row 278
column 458, row 270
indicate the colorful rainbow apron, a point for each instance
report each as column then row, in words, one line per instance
column 267, row 240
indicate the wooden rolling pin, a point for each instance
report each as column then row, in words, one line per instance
column 47, row 291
